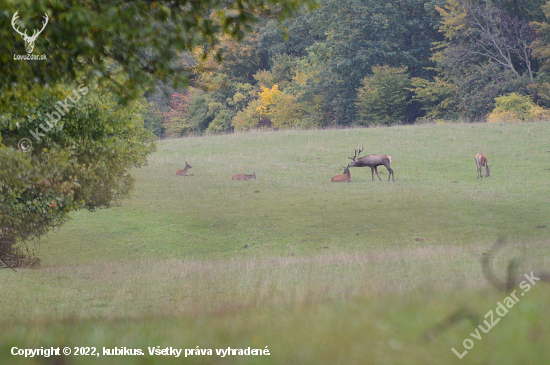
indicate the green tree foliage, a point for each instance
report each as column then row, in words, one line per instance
column 327, row 52
column 176, row 119
column 541, row 47
column 287, row 112
column 540, row 89
column 529, row 10
column 153, row 120
column 438, row 97
column 486, row 54
column 357, row 35
column 220, row 117
column 479, row 86
column 249, row 117
column 282, row 72
column 81, row 161
column 241, row 60
column 484, row 32
column 461, row 55
column 198, row 110
column 145, row 39
column 384, row 96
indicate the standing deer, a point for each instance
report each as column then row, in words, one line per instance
column 372, row 161
column 481, row 160
column 29, row 40
column 346, row 177
column 244, row 177
column 184, row 171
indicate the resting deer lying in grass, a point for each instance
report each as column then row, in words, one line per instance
column 481, row 160
column 244, row 177
column 346, row 177
column 184, row 171
column 372, row 161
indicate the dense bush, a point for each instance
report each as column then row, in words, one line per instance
column 517, row 108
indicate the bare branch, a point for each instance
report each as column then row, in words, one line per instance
column 499, row 38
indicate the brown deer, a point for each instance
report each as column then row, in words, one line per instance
column 346, row 177
column 244, row 177
column 372, row 161
column 184, row 171
column 481, row 160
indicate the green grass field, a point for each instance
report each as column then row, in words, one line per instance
column 320, row 272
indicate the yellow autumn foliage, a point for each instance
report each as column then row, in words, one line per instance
column 516, row 108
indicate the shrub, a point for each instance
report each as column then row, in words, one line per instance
column 517, row 108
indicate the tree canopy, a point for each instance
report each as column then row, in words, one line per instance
column 460, row 56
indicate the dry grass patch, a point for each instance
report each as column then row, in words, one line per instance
column 175, row 287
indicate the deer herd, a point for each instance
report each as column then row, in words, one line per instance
column 372, row 161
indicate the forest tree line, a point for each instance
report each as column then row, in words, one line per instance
column 368, row 62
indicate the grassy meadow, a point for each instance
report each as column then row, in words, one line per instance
column 321, row 273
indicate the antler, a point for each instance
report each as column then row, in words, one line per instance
column 34, row 34
column 13, row 22
column 25, row 35
column 357, row 151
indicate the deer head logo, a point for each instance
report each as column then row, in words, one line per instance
column 29, row 41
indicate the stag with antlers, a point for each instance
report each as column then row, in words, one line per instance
column 372, row 161
column 29, row 41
